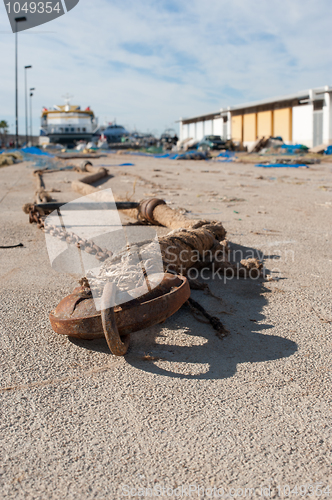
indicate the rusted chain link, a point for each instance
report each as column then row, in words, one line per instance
column 89, row 247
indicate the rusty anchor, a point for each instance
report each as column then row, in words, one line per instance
column 76, row 314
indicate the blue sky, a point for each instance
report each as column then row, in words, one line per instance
column 147, row 63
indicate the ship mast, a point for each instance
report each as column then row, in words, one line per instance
column 67, row 98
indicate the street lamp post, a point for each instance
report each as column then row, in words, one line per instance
column 31, row 95
column 17, row 20
column 26, row 104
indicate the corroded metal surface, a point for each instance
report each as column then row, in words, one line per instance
column 146, row 208
column 85, row 205
column 117, row 346
column 76, row 315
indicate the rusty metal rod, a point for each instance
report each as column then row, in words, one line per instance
column 121, row 205
column 117, row 346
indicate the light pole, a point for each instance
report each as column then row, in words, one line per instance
column 26, row 104
column 31, row 95
column 17, row 20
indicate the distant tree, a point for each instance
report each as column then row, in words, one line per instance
column 4, row 127
column 3, row 130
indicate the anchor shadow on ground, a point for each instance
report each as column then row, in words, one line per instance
column 183, row 347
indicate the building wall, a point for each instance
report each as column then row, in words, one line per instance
column 328, row 131
column 297, row 124
column 218, row 126
column 292, row 124
column 208, row 127
column 249, row 127
column 237, row 124
column 318, row 132
column 192, row 130
column 327, row 119
column 229, row 125
column 225, row 127
column 183, row 131
column 302, row 121
column 265, row 123
column 282, row 124
column 199, row 131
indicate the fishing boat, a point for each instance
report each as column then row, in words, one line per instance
column 67, row 124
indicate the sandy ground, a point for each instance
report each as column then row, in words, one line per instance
column 249, row 411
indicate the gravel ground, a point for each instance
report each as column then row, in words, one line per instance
column 247, row 416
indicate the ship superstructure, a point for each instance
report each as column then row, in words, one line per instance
column 68, row 124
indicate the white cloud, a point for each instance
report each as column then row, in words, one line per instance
column 148, row 63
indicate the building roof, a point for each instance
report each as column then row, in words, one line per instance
column 208, row 116
column 303, row 95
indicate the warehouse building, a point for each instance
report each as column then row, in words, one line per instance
column 301, row 118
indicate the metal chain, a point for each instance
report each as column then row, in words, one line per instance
column 89, row 247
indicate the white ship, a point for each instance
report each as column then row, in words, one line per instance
column 67, row 124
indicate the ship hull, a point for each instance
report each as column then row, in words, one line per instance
column 68, row 138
